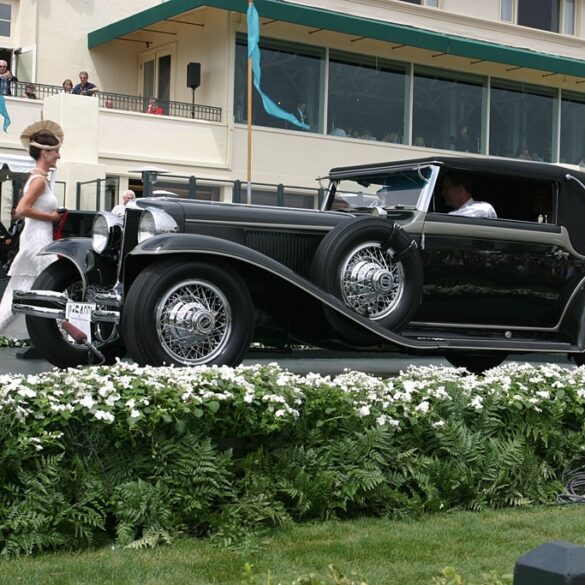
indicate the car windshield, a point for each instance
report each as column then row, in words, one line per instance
column 399, row 189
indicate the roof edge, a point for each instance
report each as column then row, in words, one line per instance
column 354, row 25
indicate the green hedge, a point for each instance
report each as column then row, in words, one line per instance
column 140, row 455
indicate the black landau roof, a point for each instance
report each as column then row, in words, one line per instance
column 517, row 168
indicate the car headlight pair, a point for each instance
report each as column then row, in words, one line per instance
column 107, row 228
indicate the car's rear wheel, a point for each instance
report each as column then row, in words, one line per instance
column 374, row 267
column 48, row 336
column 476, row 363
column 188, row 313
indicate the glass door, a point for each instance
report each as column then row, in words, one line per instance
column 156, row 76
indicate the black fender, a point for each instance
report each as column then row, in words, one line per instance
column 92, row 268
column 202, row 245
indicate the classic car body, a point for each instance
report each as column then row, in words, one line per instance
column 382, row 266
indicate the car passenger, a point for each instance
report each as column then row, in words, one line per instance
column 457, row 192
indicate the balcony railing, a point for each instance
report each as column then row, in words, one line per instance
column 119, row 101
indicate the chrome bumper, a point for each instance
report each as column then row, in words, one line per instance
column 25, row 302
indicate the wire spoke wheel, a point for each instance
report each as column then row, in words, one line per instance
column 194, row 321
column 370, row 284
column 188, row 312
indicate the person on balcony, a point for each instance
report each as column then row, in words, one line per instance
column 6, row 78
column 30, row 92
column 67, row 86
column 154, row 108
column 84, row 87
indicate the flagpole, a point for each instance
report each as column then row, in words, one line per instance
column 249, row 116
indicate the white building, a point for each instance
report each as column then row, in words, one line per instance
column 381, row 80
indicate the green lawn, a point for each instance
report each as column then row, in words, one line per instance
column 381, row 551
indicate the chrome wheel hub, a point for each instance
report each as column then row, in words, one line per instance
column 370, row 283
column 193, row 322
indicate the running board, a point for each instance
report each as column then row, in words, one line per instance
column 508, row 345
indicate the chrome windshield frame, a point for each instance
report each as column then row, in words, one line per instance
column 425, row 194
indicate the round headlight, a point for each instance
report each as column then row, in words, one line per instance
column 153, row 222
column 106, row 231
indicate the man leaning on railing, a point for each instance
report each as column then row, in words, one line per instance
column 6, row 78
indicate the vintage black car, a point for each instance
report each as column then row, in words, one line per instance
column 382, row 266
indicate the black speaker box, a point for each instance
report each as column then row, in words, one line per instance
column 193, row 75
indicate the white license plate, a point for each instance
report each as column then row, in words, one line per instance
column 79, row 314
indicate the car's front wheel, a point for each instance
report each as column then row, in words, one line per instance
column 188, row 313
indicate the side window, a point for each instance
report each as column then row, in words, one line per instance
column 511, row 197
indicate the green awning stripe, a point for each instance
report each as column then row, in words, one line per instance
column 353, row 25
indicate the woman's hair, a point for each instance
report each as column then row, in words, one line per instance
column 67, row 81
column 42, row 137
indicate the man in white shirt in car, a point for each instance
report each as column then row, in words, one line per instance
column 457, row 191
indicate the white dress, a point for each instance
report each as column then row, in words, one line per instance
column 27, row 264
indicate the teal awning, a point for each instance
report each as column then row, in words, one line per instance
column 352, row 25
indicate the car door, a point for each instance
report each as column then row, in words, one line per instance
column 496, row 273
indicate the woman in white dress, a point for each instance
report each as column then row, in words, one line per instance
column 38, row 208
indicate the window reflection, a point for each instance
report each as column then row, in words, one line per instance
column 291, row 75
column 366, row 98
column 521, row 121
column 447, row 110
column 573, row 129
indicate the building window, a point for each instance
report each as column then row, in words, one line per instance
column 550, row 15
column 291, row 75
column 521, row 121
column 573, row 128
column 5, row 19
column 448, row 110
column 367, row 98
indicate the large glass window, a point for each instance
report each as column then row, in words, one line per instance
column 573, row 128
column 447, row 110
column 521, row 121
column 291, row 76
column 367, row 98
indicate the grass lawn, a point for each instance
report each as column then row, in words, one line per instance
column 382, row 551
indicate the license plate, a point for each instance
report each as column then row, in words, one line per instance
column 79, row 314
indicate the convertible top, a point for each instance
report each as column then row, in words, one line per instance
column 527, row 169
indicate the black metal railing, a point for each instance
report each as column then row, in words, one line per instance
column 89, row 195
column 119, row 101
column 134, row 103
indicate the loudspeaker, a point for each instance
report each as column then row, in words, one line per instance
column 193, row 75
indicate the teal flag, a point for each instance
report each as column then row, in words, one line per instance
column 4, row 113
column 254, row 54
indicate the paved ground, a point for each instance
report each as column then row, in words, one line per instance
column 300, row 362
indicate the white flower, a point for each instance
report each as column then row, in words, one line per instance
column 364, row 410
column 477, row 402
column 438, row 424
column 423, row 407
column 103, row 415
column 87, row 401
